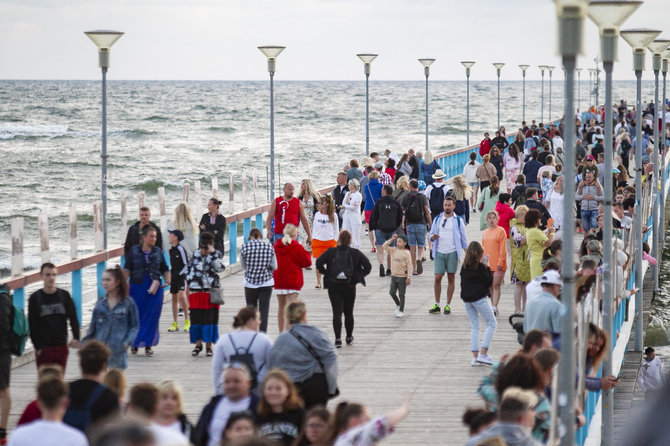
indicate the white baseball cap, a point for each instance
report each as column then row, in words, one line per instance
column 551, row 277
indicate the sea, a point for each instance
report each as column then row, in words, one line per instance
column 171, row 133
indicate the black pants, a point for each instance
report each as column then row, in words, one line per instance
column 260, row 298
column 314, row 390
column 342, row 298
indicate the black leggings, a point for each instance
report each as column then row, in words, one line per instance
column 342, row 299
column 260, row 298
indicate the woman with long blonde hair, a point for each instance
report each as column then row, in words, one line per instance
column 310, row 198
column 461, row 191
column 184, row 221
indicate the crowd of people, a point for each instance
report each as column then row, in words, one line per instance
column 276, row 392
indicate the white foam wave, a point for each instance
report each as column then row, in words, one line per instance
column 12, row 131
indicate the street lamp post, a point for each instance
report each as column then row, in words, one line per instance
column 467, row 65
column 550, row 69
column 570, row 14
column 542, row 68
column 657, row 47
column 579, row 89
column 367, row 60
column 498, row 66
column 609, row 16
column 426, row 69
column 664, row 69
column 590, row 70
column 638, row 39
column 104, row 39
column 271, row 52
column 523, row 73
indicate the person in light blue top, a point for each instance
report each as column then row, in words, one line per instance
column 115, row 319
column 543, row 312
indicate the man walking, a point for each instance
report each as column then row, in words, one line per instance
column 133, row 236
column 385, row 218
column 5, row 360
column 49, row 310
column 432, row 192
column 416, row 220
column 287, row 209
column 449, row 242
column 339, row 191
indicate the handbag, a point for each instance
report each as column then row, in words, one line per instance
column 216, row 296
column 310, row 349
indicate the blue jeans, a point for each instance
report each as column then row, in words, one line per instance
column 381, row 236
column 589, row 219
column 482, row 308
column 416, row 234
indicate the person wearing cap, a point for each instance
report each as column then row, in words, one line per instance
column 178, row 267
column 401, row 270
column 384, row 178
column 650, row 378
column 544, row 311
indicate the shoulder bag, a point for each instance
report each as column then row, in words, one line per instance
column 310, row 349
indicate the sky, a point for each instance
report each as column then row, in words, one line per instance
column 218, row 39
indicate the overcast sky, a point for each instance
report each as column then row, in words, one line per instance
column 217, row 39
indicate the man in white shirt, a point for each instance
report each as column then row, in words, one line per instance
column 650, row 377
column 143, row 405
column 50, row 429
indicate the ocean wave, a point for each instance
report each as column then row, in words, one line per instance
column 153, row 185
column 450, row 130
column 222, row 129
column 8, row 132
column 10, row 118
column 157, row 118
column 132, row 133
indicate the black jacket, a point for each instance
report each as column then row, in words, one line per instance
column 6, row 311
column 133, row 237
column 218, row 229
column 362, row 266
column 200, row 435
column 378, row 219
column 475, row 283
column 338, row 196
column 500, row 141
column 534, row 204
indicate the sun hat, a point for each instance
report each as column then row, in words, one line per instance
column 438, row 175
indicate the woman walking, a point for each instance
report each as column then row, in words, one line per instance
column 306, row 354
column 114, row 321
column 470, row 174
column 512, row 163
column 476, row 278
column 310, row 198
column 351, row 221
column 324, row 230
column 343, row 267
column 462, row 192
column 401, row 271
column 202, row 279
column 485, row 172
column 520, row 267
column 497, row 161
column 183, row 221
column 291, row 259
column 258, row 261
column 144, row 264
column 494, row 242
column 487, row 200
column 555, row 204
column 536, row 240
column 429, row 167
column 215, row 223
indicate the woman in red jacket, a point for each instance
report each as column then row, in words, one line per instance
column 291, row 259
column 505, row 211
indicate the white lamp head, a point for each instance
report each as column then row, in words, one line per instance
column 550, row 68
column 498, row 65
column 104, row 39
column 426, row 62
column 467, row 64
column 367, row 58
column 640, row 37
column 658, row 46
column 610, row 14
column 524, row 67
column 570, row 14
column 271, row 52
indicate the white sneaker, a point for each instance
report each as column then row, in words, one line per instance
column 484, row 359
column 495, row 311
column 397, row 308
column 474, row 363
column 398, row 313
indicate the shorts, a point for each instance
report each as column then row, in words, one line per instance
column 284, row 291
column 177, row 284
column 446, row 263
column 381, row 236
column 5, row 369
column 474, row 183
column 367, row 216
column 321, row 246
column 416, row 234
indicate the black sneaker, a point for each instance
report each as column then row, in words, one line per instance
column 435, row 309
column 381, row 271
column 350, row 340
column 338, row 343
column 388, row 272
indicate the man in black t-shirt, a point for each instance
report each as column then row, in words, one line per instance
column 90, row 400
column 49, row 310
column 133, row 237
column 416, row 221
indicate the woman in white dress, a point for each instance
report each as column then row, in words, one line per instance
column 555, row 204
column 310, row 198
column 351, row 220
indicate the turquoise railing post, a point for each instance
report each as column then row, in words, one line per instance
column 100, row 269
column 232, row 238
column 19, row 298
column 77, row 292
column 259, row 221
column 122, row 261
column 246, row 227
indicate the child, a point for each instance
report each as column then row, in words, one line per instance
column 178, row 266
column 519, row 191
column 547, row 185
column 401, row 267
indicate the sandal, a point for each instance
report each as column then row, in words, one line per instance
column 196, row 351
column 133, row 351
column 317, row 286
column 209, row 352
column 373, row 250
column 148, row 351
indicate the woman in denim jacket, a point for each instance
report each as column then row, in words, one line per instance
column 114, row 321
column 145, row 264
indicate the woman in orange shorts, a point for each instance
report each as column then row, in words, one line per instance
column 325, row 230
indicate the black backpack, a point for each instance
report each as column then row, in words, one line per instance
column 387, row 216
column 436, row 200
column 80, row 417
column 414, row 211
column 243, row 356
column 342, row 267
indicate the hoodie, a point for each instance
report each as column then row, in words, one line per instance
column 291, row 259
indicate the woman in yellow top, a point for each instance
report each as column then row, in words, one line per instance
column 494, row 242
column 520, row 267
column 401, row 270
column 536, row 240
